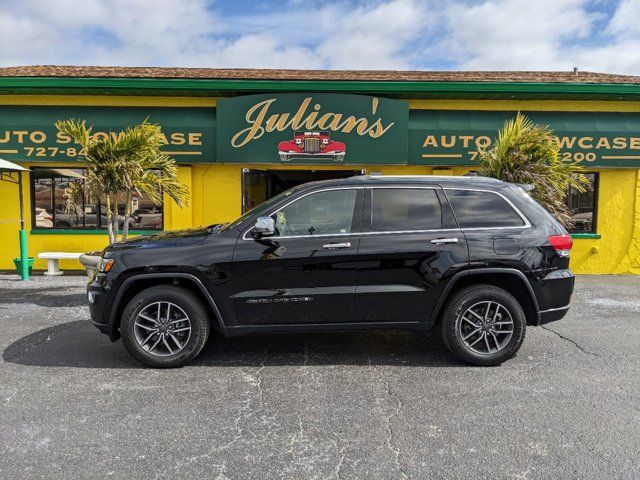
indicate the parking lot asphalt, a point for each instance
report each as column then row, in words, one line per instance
column 371, row 405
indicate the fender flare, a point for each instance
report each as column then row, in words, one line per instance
column 480, row 271
column 143, row 276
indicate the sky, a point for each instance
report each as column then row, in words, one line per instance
column 594, row 35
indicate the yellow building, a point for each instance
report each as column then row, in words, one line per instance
column 241, row 136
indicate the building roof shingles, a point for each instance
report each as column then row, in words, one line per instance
column 315, row 75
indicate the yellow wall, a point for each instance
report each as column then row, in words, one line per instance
column 618, row 223
column 174, row 218
column 216, row 197
column 216, row 188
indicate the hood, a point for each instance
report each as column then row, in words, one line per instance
column 161, row 240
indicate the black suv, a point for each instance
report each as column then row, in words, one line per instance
column 476, row 257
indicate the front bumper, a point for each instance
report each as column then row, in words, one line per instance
column 336, row 157
column 99, row 308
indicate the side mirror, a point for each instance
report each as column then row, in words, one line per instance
column 264, row 227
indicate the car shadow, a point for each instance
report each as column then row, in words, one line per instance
column 78, row 344
column 42, row 297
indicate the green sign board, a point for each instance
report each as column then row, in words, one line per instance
column 28, row 133
column 314, row 129
column 295, row 128
column 589, row 138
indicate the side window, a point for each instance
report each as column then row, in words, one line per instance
column 321, row 213
column 396, row 209
column 475, row 209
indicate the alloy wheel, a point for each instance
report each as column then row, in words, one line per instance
column 486, row 327
column 162, row 329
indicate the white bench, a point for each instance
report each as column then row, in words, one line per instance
column 53, row 260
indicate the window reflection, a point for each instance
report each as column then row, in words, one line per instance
column 60, row 201
column 477, row 209
column 583, row 205
column 395, row 209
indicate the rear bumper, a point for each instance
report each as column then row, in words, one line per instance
column 554, row 295
column 553, row 314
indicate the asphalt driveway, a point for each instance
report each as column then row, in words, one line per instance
column 375, row 405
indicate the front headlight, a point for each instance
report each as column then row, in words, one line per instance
column 105, row 264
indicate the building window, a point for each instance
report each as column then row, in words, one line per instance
column 583, row 206
column 59, row 201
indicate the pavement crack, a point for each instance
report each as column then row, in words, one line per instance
column 390, row 442
column 541, row 362
column 244, row 413
column 297, row 437
column 259, row 379
column 573, row 342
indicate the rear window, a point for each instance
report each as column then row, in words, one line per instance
column 476, row 209
column 396, row 209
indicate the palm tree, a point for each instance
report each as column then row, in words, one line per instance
column 120, row 165
column 527, row 153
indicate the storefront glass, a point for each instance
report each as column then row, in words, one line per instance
column 61, row 202
column 583, row 206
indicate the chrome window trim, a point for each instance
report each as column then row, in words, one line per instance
column 527, row 224
column 412, row 231
column 409, row 187
column 244, row 235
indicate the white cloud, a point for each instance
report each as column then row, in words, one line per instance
column 372, row 38
column 262, row 51
column 189, row 33
column 543, row 35
column 516, row 34
column 144, row 32
column 364, row 34
column 625, row 22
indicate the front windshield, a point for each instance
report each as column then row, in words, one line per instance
column 257, row 210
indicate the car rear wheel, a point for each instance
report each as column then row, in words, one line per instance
column 483, row 325
column 165, row 326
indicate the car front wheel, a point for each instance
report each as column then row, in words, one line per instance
column 165, row 326
column 483, row 325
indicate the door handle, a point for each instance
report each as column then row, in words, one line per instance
column 443, row 241
column 336, row 246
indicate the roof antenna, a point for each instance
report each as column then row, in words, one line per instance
column 575, row 71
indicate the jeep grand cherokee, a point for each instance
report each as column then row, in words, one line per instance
column 477, row 258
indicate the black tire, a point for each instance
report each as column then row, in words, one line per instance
column 187, row 301
column 458, row 305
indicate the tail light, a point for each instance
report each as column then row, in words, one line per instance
column 561, row 243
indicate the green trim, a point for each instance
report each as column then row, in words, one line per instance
column 65, row 231
column 586, row 235
column 507, row 89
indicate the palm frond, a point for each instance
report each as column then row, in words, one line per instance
column 525, row 152
column 129, row 161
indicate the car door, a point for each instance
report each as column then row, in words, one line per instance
column 410, row 246
column 306, row 272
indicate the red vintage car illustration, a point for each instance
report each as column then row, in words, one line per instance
column 311, row 146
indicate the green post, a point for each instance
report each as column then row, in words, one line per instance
column 24, row 246
column 24, row 256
